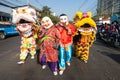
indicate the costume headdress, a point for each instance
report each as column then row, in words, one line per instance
column 26, row 13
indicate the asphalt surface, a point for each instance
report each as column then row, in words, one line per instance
column 103, row 64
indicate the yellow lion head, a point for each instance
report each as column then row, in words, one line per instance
column 84, row 23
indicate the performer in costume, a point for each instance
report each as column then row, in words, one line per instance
column 49, row 39
column 85, row 34
column 25, row 18
column 66, row 31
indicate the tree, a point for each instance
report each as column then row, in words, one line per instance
column 55, row 19
column 47, row 12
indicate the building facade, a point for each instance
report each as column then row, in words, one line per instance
column 106, row 8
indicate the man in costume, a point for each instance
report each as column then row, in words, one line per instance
column 25, row 18
column 49, row 41
column 85, row 34
column 66, row 31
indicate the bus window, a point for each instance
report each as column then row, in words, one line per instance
column 4, row 18
column 0, row 18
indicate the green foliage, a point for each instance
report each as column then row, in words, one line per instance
column 47, row 12
column 55, row 19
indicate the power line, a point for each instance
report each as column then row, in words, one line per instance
column 38, row 2
column 8, row 3
column 92, row 8
column 19, row 1
column 12, row 3
column 89, row 8
column 5, row 5
column 82, row 5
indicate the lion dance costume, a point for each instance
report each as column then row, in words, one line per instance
column 25, row 18
column 85, row 34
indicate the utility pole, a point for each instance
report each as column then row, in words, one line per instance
column 99, row 9
column 28, row 2
column 112, row 8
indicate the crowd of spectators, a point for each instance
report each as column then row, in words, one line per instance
column 109, row 32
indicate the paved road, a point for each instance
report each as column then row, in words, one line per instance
column 103, row 64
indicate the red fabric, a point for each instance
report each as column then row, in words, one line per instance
column 65, row 38
column 106, row 26
column 47, row 46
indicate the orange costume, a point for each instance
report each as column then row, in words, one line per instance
column 67, row 31
column 66, row 38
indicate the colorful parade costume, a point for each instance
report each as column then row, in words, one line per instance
column 66, row 31
column 85, row 34
column 48, row 44
column 25, row 18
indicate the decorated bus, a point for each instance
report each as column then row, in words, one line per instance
column 7, row 28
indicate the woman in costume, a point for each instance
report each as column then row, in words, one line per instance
column 49, row 37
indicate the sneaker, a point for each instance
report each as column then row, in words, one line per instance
column 44, row 66
column 61, row 72
column 20, row 62
column 68, row 63
column 55, row 73
column 32, row 57
column 85, row 61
